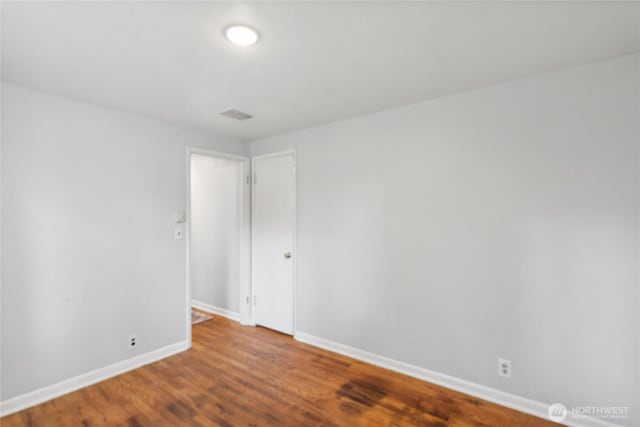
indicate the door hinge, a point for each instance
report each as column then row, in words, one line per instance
column 255, row 178
column 248, row 180
column 254, row 300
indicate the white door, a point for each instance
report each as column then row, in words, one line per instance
column 273, row 227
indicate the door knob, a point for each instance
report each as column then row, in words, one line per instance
column 287, row 255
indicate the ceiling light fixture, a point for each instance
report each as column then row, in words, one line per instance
column 242, row 35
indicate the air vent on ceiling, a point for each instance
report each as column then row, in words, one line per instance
column 235, row 114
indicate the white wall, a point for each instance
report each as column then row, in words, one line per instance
column 216, row 231
column 502, row 222
column 88, row 255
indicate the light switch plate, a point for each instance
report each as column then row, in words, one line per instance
column 178, row 233
column 180, row 216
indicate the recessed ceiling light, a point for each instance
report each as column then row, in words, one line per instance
column 242, row 35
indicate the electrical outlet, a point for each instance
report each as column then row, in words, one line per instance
column 133, row 341
column 504, row 368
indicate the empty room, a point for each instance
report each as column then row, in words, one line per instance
column 320, row 213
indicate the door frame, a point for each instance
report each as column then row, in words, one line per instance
column 245, row 238
column 292, row 153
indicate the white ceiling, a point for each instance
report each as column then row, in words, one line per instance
column 316, row 62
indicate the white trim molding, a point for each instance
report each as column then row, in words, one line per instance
column 508, row 400
column 44, row 394
column 216, row 310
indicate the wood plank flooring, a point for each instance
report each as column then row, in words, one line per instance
column 243, row 376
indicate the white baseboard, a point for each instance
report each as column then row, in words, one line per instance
column 509, row 400
column 35, row 397
column 216, row 310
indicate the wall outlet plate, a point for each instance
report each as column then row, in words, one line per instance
column 504, row 368
column 133, row 341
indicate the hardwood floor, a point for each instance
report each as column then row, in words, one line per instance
column 243, row 376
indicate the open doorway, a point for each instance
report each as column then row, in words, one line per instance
column 218, row 234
